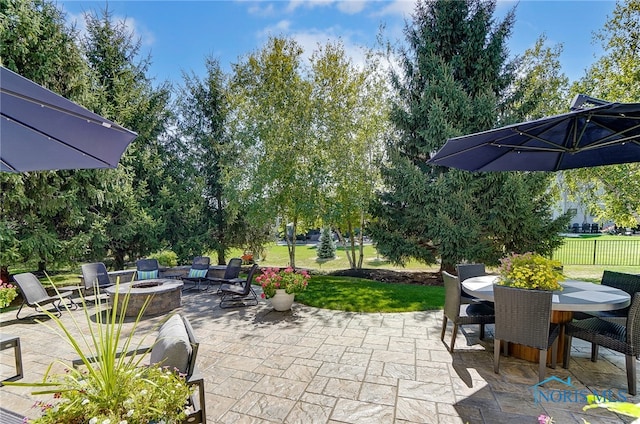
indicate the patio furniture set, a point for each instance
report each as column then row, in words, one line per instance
column 176, row 344
column 538, row 326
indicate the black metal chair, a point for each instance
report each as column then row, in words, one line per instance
column 198, row 272
column 459, row 314
column 95, row 278
column 231, row 273
column 467, row 271
column 524, row 317
column 147, row 269
column 620, row 338
column 233, row 295
column 35, row 295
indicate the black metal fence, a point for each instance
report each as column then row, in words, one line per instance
column 599, row 252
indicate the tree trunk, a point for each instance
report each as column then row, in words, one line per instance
column 222, row 260
column 291, row 242
column 118, row 260
column 346, row 251
column 450, row 268
column 42, row 265
column 361, row 240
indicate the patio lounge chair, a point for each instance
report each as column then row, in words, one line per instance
column 197, row 272
column 524, row 317
column 35, row 295
column 242, row 294
column 147, row 269
column 459, row 314
column 231, row 273
column 95, row 278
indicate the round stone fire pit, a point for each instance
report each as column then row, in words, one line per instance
column 167, row 295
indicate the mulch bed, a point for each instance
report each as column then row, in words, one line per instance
column 390, row 276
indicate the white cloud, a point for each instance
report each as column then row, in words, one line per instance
column 309, row 40
column 257, row 10
column 146, row 36
column 281, row 27
column 351, row 7
column 309, row 4
column 403, row 8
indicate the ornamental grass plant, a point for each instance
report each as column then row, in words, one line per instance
column 110, row 387
column 530, row 271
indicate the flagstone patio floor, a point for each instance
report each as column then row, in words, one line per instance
column 313, row 365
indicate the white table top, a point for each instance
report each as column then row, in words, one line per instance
column 576, row 296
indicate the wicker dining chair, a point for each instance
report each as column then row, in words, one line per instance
column 461, row 314
column 524, row 317
column 468, row 271
column 620, row 338
column 629, row 283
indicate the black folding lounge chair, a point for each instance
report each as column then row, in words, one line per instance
column 35, row 295
column 233, row 295
column 231, row 274
column 197, row 272
column 95, row 278
column 147, row 269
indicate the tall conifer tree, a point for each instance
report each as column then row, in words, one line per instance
column 456, row 78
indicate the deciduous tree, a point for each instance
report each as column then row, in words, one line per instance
column 612, row 191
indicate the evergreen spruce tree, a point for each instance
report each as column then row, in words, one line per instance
column 326, row 246
column 456, row 80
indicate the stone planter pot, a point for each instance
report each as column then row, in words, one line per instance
column 282, row 301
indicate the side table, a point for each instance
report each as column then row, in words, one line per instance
column 6, row 342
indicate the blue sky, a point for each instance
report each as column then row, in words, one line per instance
column 179, row 35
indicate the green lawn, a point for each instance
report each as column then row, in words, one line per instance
column 358, row 295
column 594, row 250
column 277, row 255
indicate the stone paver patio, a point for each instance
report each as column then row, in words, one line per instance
column 311, row 365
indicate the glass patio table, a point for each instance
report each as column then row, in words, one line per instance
column 575, row 296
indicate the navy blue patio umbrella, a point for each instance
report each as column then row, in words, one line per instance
column 41, row 130
column 607, row 134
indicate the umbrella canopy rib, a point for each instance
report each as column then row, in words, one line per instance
column 53, row 139
column 41, row 130
column 603, row 135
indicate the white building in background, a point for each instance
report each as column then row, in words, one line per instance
column 579, row 211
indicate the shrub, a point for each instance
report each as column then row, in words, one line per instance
column 7, row 294
column 166, row 258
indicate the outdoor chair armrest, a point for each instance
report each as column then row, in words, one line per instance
column 140, row 351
